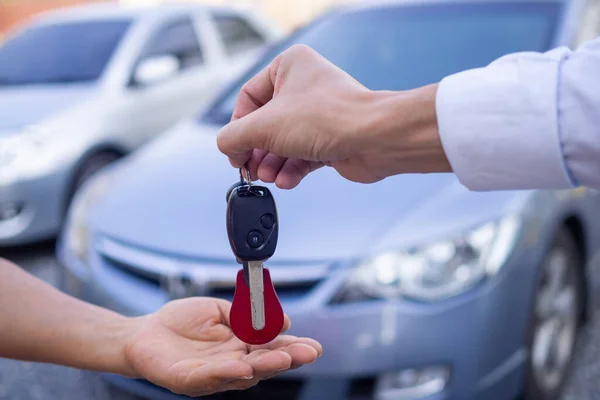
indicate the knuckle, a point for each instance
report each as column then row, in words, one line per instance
column 246, row 87
column 300, row 51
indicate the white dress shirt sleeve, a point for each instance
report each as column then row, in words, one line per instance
column 526, row 121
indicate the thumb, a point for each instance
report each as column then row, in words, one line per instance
column 240, row 137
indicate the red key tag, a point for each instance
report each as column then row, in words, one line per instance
column 240, row 315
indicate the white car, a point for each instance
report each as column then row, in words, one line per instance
column 81, row 87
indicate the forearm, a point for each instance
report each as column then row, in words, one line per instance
column 526, row 121
column 39, row 323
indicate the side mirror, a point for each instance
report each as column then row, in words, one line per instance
column 155, row 69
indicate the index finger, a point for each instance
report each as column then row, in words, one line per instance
column 255, row 93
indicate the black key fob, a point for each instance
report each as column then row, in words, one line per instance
column 252, row 224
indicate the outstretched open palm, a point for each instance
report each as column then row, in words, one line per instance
column 189, row 348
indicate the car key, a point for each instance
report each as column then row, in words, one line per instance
column 256, row 315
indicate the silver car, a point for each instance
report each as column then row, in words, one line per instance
column 84, row 86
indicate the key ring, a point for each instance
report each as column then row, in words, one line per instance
column 247, row 179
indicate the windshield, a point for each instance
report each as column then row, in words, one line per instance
column 67, row 52
column 402, row 47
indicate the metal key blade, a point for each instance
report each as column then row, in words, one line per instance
column 257, row 297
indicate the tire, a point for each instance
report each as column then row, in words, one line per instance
column 556, row 317
column 91, row 166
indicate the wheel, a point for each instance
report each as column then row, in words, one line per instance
column 91, row 166
column 555, row 319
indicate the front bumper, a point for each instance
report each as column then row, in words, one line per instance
column 40, row 202
column 480, row 334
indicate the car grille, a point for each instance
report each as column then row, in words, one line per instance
column 149, row 277
column 218, row 280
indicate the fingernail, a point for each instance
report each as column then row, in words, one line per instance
column 247, row 377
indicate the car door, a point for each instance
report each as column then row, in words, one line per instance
column 147, row 108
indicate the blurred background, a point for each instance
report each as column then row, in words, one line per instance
column 288, row 14
column 418, row 289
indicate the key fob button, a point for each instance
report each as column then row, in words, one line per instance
column 267, row 221
column 255, row 239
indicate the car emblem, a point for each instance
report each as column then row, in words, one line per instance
column 182, row 284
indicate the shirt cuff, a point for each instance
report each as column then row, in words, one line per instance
column 498, row 125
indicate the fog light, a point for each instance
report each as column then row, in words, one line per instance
column 9, row 211
column 409, row 384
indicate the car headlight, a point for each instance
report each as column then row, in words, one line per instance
column 439, row 270
column 76, row 234
column 24, row 153
column 35, row 150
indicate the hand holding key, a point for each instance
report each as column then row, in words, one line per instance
column 252, row 226
column 302, row 112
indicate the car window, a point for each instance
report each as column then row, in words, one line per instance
column 179, row 39
column 60, row 53
column 403, row 47
column 237, row 34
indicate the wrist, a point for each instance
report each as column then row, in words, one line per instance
column 101, row 343
column 118, row 335
column 401, row 134
column 98, row 341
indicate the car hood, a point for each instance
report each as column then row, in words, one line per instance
column 21, row 106
column 170, row 197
